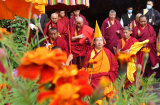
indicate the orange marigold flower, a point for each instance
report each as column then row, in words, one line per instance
column 66, row 94
column 110, row 91
column 70, row 86
column 41, row 63
column 124, row 57
column 4, row 32
column 145, row 50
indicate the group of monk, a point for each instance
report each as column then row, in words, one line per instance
column 84, row 44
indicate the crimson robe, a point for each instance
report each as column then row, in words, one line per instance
column 64, row 21
column 60, row 42
column 73, row 21
column 147, row 33
column 112, row 74
column 134, row 23
column 62, row 30
column 127, row 46
column 109, row 33
column 77, row 48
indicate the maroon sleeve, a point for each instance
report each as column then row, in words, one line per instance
column 65, row 48
column 86, row 59
column 152, row 37
column 134, row 34
column 103, row 28
column 120, row 28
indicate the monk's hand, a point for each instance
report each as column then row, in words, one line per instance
column 36, row 28
column 145, row 45
column 118, row 32
column 80, row 36
column 128, row 51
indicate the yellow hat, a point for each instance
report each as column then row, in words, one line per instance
column 97, row 31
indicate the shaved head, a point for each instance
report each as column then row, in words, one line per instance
column 54, row 18
column 79, row 22
column 112, row 14
column 79, row 19
column 137, row 16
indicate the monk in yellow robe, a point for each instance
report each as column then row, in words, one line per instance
column 99, row 61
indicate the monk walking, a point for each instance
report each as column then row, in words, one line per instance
column 111, row 30
column 105, row 64
column 54, row 23
column 81, row 38
column 142, row 32
column 73, row 19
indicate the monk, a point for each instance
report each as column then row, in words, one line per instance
column 142, row 32
column 124, row 46
column 73, row 19
column 81, row 38
column 55, row 40
column 105, row 64
column 111, row 30
column 63, row 19
column 54, row 23
column 135, row 22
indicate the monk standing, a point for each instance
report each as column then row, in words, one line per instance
column 54, row 23
column 63, row 19
column 105, row 64
column 81, row 38
column 142, row 32
column 55, row 40
column 73, row 19
column 111, row 30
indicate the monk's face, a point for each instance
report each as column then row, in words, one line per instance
column 112, row 16
column 53, row 34
column 54, row 18
column 126, row 34
column 143, row 21
column 98, row 43
column 79, row 23
column 76, row 12
column 62, row 14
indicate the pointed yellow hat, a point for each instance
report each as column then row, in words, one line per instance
column 97, row 31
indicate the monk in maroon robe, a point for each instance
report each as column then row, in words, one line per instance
column 81, row 38
column 142, row 32
column 124, row 46
column 73, row 19
column 54, row 23
column 135, row 22
column 63, row 19
column 111, row 30
column 55, row 40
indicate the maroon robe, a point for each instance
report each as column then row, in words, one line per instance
column 109, row 33
column 79, row 49
column 60, row 42
column 62, row 30
column 147, row 33
column 73, row 21
column 127, row 46
column 64, row 21
column 112, row 74
column 134, row 23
